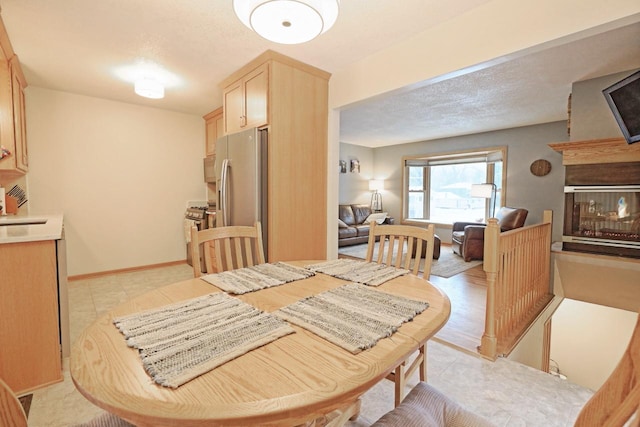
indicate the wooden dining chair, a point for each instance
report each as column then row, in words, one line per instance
column 235, row 247
column 404, row 246
column 615, row 404
column 12, row 413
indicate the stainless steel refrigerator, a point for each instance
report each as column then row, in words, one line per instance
column 241, row 180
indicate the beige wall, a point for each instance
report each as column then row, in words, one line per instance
column 121, row 175
column 588, row 340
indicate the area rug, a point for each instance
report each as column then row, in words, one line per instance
column 449, row 264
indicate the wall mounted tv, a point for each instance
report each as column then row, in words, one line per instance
column 624, row 100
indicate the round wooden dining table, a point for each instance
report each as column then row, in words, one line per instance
column 288, row 382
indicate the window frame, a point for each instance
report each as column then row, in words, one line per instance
column 499, row 152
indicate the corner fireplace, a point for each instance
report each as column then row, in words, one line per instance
column 602, row 197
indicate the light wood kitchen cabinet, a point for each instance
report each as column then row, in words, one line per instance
column 297, row 117
column 214, row 129
column 13, row 131
column 245, row 100
column 30, row 343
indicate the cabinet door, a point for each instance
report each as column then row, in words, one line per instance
column 213, row 130
column 234, row 119
column 219, row 126
column 245, row 101
column 210, row 132
column 30, row 353
column 256, row 86
column 19, row 123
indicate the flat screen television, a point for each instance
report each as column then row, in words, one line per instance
column 624, row 100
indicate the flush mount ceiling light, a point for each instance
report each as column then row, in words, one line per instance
column 287, row 21
column 149, row 88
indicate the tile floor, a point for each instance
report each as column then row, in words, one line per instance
column 508, row 393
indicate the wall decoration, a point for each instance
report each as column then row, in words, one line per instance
column 343, row 166
column 540, row 167
column 355, row 166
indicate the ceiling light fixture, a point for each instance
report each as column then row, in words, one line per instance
column 149, row 88
column 287, row 21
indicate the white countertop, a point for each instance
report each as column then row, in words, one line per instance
column 30, row 228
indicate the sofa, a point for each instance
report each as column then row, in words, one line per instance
column 467, row 238
column 353, row 227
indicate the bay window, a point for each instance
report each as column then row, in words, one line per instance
column 437, row 187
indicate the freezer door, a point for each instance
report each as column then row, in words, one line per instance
column 244, row 153
column 221, row 156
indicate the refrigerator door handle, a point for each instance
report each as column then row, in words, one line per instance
column 223, row 183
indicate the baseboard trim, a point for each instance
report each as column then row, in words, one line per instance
column 125, row 270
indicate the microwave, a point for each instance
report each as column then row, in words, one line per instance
column 210, row 169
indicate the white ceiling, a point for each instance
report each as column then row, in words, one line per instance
column 85, row 46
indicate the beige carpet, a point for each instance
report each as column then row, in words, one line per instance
column 449, row 264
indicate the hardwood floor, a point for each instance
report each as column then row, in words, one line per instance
column 467, row 292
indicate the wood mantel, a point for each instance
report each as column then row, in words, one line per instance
column 595, row 151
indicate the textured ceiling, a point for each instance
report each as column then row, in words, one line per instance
column 528, row 90
column 87, row 46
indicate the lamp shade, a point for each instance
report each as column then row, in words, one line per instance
column 376, row 184
column 484, row 191
column 287, row 21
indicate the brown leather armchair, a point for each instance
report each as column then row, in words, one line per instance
column 467, row 239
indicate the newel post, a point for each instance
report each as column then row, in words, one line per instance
column 489, row 342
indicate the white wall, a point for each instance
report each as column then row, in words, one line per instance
column 121, row 175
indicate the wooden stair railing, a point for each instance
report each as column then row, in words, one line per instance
column 517, row 265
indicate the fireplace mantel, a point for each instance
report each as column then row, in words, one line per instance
column 595, row 151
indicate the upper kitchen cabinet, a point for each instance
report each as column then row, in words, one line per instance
column 214, row 129
column 13, row 131
column 245, row 100
column 292, row 99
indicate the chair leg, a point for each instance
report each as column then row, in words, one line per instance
column 423, row 362
column 400, row 382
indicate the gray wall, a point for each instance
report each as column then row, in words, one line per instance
column 591, row 117
column 525, row 145
column 354, row 187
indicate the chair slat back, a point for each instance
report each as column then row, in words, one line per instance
column 11, row 411
column 397, row 243
column 235, row 247
column 619, row 397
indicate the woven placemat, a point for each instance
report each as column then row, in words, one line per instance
column 261, row 276
column 367, row 273
column 353, row 316
column 181, row 341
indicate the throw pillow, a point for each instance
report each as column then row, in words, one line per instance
column 341, row 224
column 377, row 217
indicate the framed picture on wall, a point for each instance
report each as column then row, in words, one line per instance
column 343, row 166
column 355, row 166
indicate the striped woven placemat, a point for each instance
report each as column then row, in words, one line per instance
column 261, row 276
column 181, row 341
column 353, row 316
column 368, row 273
